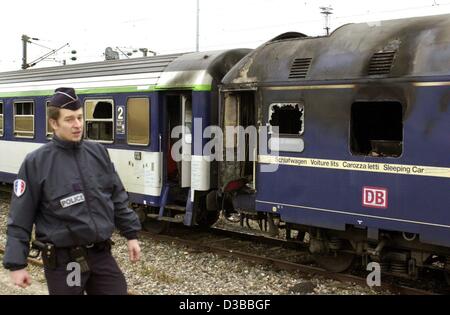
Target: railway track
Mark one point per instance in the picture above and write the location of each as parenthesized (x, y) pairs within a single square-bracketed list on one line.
[(213, 246), (282, 255), (202, 241)]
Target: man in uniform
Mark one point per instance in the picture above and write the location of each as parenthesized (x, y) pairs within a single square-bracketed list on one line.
[(70, 191)]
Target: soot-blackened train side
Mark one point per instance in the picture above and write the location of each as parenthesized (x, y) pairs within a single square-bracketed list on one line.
[(363, 145)]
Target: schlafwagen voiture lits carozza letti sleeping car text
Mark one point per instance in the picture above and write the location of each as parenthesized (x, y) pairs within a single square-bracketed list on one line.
[(357, 160)]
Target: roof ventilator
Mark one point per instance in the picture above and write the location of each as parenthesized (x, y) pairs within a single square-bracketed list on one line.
[(381, 62), (300, 68)]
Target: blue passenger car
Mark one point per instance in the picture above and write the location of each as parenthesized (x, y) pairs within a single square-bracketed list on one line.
[(130, 106)]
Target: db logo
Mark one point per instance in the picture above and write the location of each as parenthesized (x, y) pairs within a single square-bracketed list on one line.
[(375, 197)]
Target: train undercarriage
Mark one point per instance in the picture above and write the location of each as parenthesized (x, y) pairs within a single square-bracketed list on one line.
[(398, 254)]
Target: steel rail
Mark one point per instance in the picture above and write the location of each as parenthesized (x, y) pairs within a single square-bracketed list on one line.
[(310, 271)]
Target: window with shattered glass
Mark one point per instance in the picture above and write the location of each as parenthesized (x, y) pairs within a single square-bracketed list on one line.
[(288, 118), (99, 120)]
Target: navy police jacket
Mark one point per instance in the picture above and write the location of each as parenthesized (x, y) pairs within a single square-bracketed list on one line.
[(73, 195)]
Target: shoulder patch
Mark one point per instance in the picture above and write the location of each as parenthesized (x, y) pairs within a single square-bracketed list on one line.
[(19, 187)]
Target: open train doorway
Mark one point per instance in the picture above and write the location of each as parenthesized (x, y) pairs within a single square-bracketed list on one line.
[(239, 112), (179, 114)]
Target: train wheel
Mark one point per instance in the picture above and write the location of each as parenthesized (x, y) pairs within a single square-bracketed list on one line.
[(207, 218), (141, 213), (335, 262), (155, 226), (151, 225)]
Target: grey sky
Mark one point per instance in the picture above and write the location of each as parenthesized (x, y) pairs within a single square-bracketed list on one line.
[(169, 26)]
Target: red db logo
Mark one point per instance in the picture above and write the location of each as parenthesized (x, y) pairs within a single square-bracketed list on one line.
[(375, 197)]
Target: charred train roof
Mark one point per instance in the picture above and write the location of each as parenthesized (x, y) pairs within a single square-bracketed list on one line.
[(406, 47), (201, 69)]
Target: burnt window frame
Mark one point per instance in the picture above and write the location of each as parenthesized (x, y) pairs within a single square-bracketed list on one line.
[(33, 115), (225, 121), (274, 134), (112, 119), (350, 128)]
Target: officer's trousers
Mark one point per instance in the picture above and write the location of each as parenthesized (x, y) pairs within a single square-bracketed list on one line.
[(104, 275)]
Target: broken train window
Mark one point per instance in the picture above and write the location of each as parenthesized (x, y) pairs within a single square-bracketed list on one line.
[(288, 117), (99, 120), (376, 129)]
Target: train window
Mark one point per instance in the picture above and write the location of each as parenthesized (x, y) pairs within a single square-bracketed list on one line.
[(376, 129), (288, 117), (24, 119), (1, 119), (99, 120), (138, 121)]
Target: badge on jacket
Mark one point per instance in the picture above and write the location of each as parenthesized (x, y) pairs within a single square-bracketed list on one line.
[(19, 187), (72, 200)]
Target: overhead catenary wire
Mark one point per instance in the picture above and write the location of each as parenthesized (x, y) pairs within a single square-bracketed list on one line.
[(318, 20), (434, 5), (343, 17)]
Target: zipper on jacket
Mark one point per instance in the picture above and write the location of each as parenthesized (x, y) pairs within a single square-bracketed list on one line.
[(83, 183)]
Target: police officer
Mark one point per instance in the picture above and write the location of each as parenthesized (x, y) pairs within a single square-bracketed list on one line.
[(70, 191)]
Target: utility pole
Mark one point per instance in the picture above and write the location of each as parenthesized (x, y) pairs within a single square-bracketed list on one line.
[(326, 11), (25, 41), (197, 46)]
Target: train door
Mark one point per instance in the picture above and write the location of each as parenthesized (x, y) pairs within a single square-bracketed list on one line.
[(179, 114), (240, 152), (186, 114)]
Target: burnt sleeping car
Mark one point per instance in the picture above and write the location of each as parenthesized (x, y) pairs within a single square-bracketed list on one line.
[(362, 149)]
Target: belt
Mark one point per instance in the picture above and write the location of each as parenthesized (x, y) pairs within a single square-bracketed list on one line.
[(99, 245), (54, 256)]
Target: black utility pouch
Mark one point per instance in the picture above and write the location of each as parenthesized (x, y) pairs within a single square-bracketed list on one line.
[(78, 254), (49, 256)]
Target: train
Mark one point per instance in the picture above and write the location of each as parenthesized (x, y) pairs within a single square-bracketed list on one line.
[(343, 139)]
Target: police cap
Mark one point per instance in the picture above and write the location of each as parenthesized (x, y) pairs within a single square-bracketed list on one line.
[(65, 98)]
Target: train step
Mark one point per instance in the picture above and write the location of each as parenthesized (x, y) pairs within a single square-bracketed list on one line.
[(177, 219), (175, 207)]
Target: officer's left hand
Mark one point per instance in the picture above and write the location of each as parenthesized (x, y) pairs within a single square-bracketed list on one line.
[(134, 251)]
